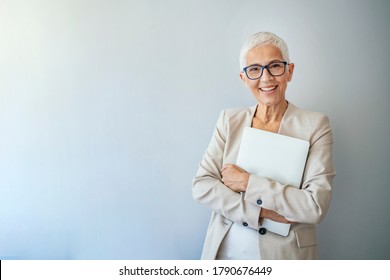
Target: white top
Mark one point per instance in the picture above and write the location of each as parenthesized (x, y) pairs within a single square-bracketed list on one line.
[(240, 243)]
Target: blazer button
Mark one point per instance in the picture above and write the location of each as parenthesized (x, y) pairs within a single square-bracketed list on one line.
[(245, 224), (259, 201), (262, 231)]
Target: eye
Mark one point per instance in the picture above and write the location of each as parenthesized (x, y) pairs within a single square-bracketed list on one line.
[(254, 69), (276, 65)]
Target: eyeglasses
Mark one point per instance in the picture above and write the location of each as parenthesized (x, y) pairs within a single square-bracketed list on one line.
[(255, 71)]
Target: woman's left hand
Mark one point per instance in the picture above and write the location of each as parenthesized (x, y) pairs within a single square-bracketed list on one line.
[(234, 177)]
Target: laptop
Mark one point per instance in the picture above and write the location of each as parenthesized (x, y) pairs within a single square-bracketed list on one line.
[(276, 157)]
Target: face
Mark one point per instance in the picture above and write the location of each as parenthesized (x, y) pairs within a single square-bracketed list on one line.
[(268, 90)]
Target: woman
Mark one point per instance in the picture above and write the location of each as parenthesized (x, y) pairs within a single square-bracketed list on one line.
[(240, 201)]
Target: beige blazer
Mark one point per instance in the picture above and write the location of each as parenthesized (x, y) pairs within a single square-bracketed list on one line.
[(307, 206)]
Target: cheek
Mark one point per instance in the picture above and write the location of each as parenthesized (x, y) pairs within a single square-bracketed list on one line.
[(283, 82), (254, 84)]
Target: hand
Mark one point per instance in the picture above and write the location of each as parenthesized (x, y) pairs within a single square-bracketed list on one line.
[(272, 215), (234, 177)]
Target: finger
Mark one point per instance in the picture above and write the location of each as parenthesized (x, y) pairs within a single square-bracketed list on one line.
[(228, 166), (223, 168)]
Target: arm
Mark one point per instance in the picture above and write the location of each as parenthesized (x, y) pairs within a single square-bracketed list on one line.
[(237, 179), (208, 188), (309, 204)]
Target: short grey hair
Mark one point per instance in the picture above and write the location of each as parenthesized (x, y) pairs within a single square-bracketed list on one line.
[(261, 39)]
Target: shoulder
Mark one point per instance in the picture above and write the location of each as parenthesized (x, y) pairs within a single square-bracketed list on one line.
[(238, 111), (306, 117), (305, 124), (304, 113), (232, 120), (241, 113)]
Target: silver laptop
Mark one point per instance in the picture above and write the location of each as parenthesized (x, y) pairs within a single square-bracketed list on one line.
[(276, 157)]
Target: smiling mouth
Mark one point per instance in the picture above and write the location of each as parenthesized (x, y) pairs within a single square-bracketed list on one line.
[(268, 89)]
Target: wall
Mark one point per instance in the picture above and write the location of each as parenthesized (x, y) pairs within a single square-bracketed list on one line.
[(106, 108)]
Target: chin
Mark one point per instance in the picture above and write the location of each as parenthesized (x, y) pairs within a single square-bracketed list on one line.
[(270, 101)]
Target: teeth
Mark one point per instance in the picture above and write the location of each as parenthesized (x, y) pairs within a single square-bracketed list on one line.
[(268, 88)]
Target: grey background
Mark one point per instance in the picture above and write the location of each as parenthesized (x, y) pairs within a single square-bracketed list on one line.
[(106, 108)]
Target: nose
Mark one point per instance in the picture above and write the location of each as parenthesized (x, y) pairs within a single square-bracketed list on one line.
[(266, 76)]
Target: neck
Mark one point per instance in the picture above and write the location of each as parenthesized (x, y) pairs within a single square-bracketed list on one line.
[(269, 114)]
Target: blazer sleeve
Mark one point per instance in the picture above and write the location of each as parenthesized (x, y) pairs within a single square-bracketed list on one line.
[(308, 204), (209, 190)]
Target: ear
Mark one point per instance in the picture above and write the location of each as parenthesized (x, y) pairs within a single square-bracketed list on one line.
[(243, 78), (290, 71)]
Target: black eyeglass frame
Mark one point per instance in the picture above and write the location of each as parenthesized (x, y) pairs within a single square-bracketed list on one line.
[(266, 67)]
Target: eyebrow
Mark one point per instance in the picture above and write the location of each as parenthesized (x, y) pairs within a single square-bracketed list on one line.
[(272, 61)]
